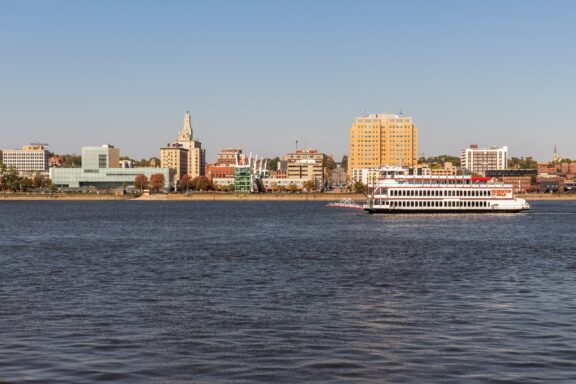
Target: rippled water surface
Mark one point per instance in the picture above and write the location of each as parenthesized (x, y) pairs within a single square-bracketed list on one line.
[(284, 292)]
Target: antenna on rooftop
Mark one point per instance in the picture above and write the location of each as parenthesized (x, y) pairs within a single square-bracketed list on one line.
[(296, 144), (365, 112)]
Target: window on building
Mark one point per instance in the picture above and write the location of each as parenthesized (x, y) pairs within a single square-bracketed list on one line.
[(101, 161)]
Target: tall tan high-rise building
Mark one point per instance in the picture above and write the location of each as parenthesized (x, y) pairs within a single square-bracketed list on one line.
[(379, 140), (185, 155)]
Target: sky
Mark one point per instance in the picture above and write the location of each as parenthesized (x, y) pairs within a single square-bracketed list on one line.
[(261, 75)]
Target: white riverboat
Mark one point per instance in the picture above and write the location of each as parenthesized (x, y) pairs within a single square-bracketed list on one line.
[(397, 192)]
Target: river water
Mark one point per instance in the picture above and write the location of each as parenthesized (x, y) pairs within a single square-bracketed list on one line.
[(176, 292)]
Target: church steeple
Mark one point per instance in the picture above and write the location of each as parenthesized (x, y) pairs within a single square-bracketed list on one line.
[(186, 132), (555, 156)]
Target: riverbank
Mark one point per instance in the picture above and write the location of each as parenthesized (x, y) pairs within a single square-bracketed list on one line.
[(60, 196), (548, 196), (218, 196), (254, 197), (209, 196)]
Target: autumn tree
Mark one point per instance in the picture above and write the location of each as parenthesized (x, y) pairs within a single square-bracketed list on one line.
[(522, 163), (344, 162), (440, 160), (71, 160), (185, 183), (9, 178), (41, 180), (157, 182), (292, 187), (272, 164), (202, 183), (360, 187), (141, 182), (329, 162), (309, 185)]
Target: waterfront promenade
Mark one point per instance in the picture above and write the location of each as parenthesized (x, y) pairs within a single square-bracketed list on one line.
[(218, 196)]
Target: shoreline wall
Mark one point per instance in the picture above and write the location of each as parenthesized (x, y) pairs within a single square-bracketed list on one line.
[(231, 197)]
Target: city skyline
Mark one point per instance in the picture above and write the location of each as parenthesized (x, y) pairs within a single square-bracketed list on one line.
[(77, 74)]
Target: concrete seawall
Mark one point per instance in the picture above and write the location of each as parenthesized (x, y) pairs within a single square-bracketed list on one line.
[(230, 197), (254, 197)]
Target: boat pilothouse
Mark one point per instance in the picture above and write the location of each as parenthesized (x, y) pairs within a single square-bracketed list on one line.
[(397, 192)]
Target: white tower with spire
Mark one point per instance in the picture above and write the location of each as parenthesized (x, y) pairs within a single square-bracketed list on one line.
[(186, 134)]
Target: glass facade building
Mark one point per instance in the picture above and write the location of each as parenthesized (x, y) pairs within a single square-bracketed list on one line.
[(101, 169)]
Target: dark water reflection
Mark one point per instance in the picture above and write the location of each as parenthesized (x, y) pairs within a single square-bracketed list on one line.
[(289, 292)]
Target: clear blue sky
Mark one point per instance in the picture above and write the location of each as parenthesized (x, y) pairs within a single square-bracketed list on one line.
[(262, 74)]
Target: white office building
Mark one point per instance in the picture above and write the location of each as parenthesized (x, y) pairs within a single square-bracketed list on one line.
[(31, 158), (480, 160)]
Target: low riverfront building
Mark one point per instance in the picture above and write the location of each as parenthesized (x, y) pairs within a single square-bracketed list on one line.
[(101, 169)]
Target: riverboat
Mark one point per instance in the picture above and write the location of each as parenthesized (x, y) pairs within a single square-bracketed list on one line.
[(397, 192)]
